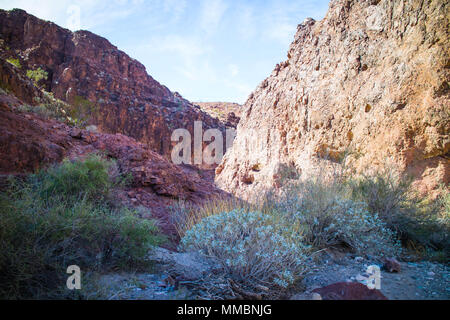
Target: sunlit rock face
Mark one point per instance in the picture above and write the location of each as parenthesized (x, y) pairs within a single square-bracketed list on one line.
[(81, 64), (369, 80)]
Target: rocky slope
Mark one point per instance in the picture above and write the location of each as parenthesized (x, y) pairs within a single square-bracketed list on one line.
[(81, 64), (370, 79), (29, 142), (227, 112)]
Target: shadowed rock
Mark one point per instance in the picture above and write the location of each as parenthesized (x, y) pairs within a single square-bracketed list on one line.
[(348, 291)]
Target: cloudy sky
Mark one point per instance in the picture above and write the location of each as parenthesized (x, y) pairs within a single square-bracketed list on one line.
[(207, 50)]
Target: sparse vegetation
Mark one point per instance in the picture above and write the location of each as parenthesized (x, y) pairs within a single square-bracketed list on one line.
[(254, 251), (326, 218), (37, 75), (51, 108), (370, 215), (14, 62), (185, 216), (420, 223), (81, 110), (62, 216)]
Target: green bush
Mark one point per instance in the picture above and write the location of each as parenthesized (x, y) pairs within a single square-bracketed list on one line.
[(252, 250), (37, 75), (417, 221), (77, 180), (326, 218), (81, 110), (64, 216), (51, 108), (14, 62)]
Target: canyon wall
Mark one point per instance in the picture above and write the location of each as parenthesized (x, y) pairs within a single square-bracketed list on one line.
[(227, 112), (81, 64), (368, 83)]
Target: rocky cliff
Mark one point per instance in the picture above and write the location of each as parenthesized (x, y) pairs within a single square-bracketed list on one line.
[(369, 81), (227, 112), (29, 142), (124, 97)]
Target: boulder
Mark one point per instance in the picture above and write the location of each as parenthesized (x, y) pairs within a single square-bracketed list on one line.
[(347, 291)]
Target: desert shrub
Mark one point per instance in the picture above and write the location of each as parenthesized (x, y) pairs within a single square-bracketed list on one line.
[(40, 110), (14, 62), (384, 192), (37, 75), (252, 250), (75, 180), (325, 218), (184, 215), (48, 111), (81, 110), (64, 216), (415, 219), (48, 107)]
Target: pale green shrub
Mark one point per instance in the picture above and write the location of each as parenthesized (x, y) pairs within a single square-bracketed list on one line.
[(420, 223), (326, 219), (252, 250), (348, 223)]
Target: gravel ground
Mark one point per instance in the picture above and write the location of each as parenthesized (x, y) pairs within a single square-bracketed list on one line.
[(416, 280)]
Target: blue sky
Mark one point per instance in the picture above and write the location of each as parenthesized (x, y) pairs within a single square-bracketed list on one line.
[(207, 50)]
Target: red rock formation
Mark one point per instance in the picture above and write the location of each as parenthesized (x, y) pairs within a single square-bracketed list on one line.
[(349, 291), (128, 100), (28, 142), (370, 80), (227, 112), (392, 265)]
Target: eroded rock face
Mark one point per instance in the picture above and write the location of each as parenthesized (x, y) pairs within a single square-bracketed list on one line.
[(29, 142), (370, 79), (81, 64), (227, 112)]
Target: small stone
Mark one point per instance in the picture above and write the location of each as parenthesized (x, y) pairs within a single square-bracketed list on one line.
[(392, 265), (316, 296), (75, 133), (349, 291)]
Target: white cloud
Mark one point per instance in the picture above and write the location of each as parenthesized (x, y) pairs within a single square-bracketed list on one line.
[(212, 13), (234, 69), (281, 17), (188, 54), (246, 21), (183, 46), (175, 7), (91, 13)]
